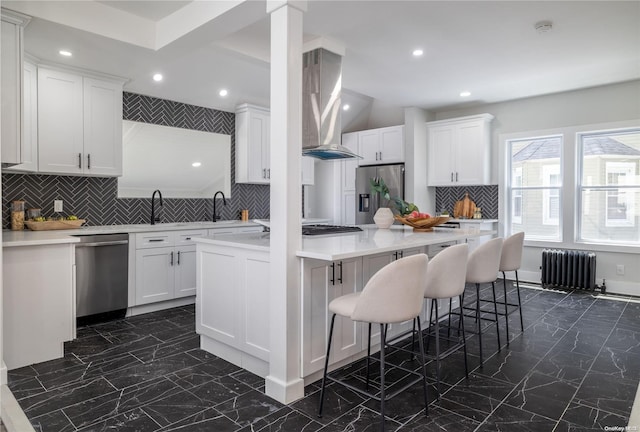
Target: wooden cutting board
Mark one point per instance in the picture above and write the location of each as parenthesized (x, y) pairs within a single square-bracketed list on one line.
[(465, 208)]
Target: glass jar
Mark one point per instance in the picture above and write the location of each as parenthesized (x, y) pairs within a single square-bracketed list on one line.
[(33, 213), (17, 215)]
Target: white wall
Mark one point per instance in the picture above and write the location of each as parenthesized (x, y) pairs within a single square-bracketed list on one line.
[(613, 103)]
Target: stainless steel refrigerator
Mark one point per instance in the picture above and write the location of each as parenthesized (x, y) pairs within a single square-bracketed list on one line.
[(367, 203)]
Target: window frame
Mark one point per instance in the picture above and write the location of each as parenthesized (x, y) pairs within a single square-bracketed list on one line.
[(571, 204)]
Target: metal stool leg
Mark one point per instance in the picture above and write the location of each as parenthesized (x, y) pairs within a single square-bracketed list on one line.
[(464, 342), (413, 340), (478, 323), (383, 338), (506, 308), (368, 354), (449, 318), (437, 348), (326, 366), (495, 309), (424, 369), (519, 302)]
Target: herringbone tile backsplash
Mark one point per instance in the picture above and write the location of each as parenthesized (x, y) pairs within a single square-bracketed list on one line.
[(96, 199), (485, 197)]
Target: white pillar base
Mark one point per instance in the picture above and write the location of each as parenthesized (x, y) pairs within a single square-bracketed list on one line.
[(284, 392)]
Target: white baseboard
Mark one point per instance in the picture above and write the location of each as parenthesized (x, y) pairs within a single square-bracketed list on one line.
[(154, 307), (612, 286), (13, 417)]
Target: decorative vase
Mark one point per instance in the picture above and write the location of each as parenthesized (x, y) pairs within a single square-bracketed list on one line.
[(383, 218)]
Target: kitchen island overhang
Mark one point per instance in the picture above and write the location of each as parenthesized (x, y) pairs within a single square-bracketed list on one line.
[(233, 308)]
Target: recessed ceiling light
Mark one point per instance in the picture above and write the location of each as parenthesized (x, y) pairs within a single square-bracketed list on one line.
[(465, 94), (196, 164), (346, 107), (417, 52), (543, 26), (65, 53), (223, 92), (157, 77)]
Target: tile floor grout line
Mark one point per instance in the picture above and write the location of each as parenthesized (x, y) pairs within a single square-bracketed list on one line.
[(595, 358), (503, 402)]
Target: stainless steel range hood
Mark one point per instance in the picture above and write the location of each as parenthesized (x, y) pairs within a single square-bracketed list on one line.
[(321, 104)]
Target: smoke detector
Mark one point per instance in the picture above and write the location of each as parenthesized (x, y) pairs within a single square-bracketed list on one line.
[(543, 26)]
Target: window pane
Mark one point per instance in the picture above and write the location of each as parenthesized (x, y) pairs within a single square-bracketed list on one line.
[(611, 216), (539, 214), (611, 159), (536, 161)]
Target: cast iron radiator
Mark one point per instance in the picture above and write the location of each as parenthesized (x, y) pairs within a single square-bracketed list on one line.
[(569, 269)]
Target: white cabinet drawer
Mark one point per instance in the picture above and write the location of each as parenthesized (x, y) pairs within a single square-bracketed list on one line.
[(155, 239), (185, 238)]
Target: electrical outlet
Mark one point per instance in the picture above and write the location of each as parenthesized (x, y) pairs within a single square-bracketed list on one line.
[(57, 206), (620, 270)]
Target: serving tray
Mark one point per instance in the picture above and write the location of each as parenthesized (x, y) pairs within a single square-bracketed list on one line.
[(54, 225)]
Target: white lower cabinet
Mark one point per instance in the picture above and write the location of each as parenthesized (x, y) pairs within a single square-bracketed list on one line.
[(321, 283), (234, 307), (165, 266)]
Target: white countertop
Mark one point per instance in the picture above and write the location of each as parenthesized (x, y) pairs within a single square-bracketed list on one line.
[(473, 220), (342, 246), (34, 238)]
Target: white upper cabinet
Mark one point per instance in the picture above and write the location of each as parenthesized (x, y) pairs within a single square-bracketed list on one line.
[(29, 151), (459, 151), (253, 157), (79, 124), (381, 146), (11, 86), (102, 106), (252, 145)]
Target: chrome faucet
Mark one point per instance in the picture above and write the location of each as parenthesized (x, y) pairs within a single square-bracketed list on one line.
[(224, 201), (155, 219)]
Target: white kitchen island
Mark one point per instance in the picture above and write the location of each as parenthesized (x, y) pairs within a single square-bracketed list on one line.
[(232, 301)]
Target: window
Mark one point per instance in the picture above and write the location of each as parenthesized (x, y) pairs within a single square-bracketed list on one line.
[(551, 196), (609, 187), (535, 187), (516, 201)]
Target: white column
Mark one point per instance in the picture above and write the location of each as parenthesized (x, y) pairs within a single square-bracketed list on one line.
[(415, 137), (283, 382)]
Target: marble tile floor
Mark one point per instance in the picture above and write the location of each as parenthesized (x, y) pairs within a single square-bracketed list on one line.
[(576, 367)]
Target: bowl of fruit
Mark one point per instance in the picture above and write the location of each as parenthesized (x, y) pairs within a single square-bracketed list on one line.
[(421, 222), (42, 224)]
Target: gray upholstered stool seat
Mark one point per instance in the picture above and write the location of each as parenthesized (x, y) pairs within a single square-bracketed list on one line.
[(446, 280), (510, 261), (482, 267), (394, 294)]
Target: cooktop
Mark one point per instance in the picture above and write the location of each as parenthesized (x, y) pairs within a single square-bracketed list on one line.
[(313, 230)]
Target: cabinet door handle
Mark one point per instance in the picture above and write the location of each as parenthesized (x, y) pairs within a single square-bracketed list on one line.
[(333, 274), (395, 255), (380, 155), (452, 176), (89, 161), (178, 257), (80, 160), (340, 265), (401, 254), (264, 173), (456, 177), (269, 173), (155, 240), (188, 238), (172, 258)]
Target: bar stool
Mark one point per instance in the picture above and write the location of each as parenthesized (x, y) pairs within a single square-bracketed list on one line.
[(394, 294), (446, 280), (511, 260), (482, 267)]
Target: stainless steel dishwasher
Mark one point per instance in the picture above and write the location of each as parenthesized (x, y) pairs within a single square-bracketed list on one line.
[(102, 267)]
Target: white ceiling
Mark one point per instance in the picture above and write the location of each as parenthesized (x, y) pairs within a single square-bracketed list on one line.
[(488, 48)]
